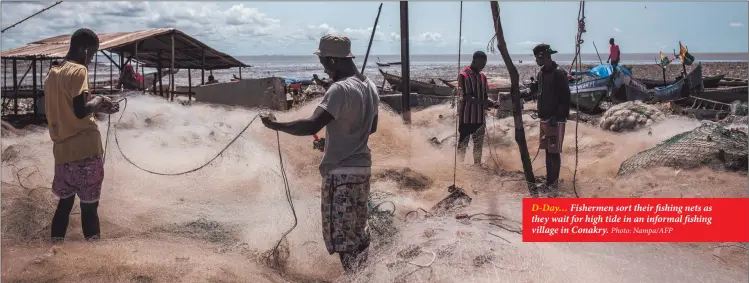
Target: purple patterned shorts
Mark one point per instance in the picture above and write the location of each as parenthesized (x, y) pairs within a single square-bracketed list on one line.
[(81, 177)]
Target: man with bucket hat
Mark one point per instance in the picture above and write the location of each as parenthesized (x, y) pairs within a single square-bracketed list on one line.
[(553, 102), (349, 113)]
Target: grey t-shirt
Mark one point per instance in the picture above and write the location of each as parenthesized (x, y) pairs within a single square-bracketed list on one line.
[(353, 103)]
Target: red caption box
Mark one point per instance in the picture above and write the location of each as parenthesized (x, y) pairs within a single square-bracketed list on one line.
[(636, 220)]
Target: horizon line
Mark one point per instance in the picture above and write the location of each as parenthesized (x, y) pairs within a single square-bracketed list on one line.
[(512, 54)]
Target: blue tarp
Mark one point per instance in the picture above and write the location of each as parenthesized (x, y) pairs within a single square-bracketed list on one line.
[(602, 71), (295, 80)]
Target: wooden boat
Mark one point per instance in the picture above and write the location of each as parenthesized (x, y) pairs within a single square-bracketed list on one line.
[(588, 95), (726, 94), (417, 86), (712, 81), (700, 108), (709, 82), (628, 88), (680, 89), (733, 82), (496, 85), (387, 64), (416, 101)]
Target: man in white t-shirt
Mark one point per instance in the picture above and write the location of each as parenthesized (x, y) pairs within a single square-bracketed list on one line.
[(348, 111)]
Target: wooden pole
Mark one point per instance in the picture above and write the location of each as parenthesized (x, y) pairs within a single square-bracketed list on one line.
[(171, 71), (405, 66), (137, 64), (33, 84), (371, 38), (240, 73), (15, 87), (96, 64), (5, 73), (111, 75), (599, 55), (202, 66), (189, 84), (515, 92), (161, 81)]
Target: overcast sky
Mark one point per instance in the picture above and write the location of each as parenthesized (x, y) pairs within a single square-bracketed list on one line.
[(294, 28)]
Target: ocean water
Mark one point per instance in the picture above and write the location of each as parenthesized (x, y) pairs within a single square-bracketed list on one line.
[(423, 67)]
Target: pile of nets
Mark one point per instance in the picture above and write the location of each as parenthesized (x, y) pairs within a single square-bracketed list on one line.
[(630, 116), (711, 145)]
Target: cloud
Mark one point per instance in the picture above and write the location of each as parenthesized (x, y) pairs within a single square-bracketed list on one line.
[(617, 30), (365, 33), (218, 27), (735, 24), (430, 37), (528, 43)]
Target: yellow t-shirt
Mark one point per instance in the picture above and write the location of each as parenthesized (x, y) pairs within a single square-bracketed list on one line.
[(74, 139)]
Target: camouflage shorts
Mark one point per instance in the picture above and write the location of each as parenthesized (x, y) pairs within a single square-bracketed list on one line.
[(344, 196)]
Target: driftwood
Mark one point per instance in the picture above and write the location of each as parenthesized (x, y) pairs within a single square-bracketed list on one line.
[(515, 92)]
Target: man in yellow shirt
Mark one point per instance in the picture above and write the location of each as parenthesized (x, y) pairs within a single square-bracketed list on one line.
[(77, 148)]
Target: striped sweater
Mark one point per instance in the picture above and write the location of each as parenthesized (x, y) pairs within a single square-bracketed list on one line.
[(475, 85)]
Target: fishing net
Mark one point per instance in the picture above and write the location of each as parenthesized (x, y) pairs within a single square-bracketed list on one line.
[(711, 145), (629, 116)]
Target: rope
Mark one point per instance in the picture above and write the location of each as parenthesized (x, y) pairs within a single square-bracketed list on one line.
[(117, 142), (29, 17), (457, 106), (275, 252), (287, 189), (578, 61)]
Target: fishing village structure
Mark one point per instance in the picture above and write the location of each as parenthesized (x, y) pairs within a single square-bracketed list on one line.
[(165, 49)]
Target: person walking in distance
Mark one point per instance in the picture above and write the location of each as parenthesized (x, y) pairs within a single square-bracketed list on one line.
[(553, 94), (474, 101), (77, 147), (349, 111)]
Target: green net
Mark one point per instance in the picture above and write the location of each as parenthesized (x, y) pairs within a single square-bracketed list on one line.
[(711, 145)]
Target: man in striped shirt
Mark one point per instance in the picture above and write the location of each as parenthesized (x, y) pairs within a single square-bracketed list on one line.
[(474, 101)]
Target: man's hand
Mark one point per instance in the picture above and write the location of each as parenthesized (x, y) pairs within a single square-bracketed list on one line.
[(607, 61), (269, 120), (107, 106)]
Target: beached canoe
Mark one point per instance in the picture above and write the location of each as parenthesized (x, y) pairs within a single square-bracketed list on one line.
[(387, 64), (700, 108), (733, 82), (725, 94), (712, 81), (496, 85), (680, 89), (588, 95), (417, 86), (628, 88)]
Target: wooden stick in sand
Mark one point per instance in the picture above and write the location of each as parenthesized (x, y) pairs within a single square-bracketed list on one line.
[(515, 93)]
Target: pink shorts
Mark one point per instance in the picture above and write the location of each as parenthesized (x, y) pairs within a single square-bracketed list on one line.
[(81, 177)]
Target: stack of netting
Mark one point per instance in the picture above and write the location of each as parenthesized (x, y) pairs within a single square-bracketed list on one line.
[(711, 144)]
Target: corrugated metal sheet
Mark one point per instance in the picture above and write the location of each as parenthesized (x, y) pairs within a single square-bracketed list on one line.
[(154, 49)]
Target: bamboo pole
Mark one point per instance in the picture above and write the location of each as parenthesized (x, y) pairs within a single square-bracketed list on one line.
[(515, 93)]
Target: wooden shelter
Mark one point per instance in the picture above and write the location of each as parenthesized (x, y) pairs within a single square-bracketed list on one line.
[(163, 48)]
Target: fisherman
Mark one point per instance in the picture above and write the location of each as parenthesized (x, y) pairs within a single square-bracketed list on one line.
[(211, 80), (614, 55), (77, 147), (474, 101), (349, 112), (553, 94), (129, 78)]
